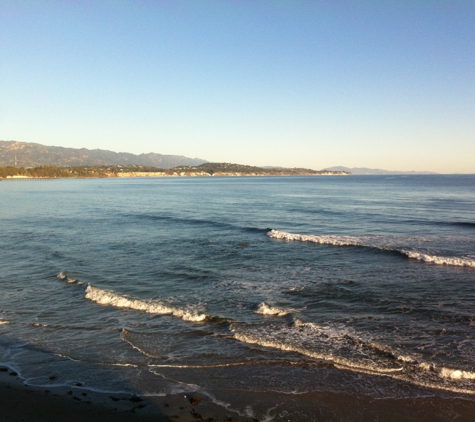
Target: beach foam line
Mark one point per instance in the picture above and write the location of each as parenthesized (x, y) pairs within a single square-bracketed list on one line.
[(109, 298), (295, 339), (335, 240), (368, 357)]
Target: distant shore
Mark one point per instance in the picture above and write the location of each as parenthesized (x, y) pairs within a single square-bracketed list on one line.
[(224, 174), (160, 174), (131, 170)]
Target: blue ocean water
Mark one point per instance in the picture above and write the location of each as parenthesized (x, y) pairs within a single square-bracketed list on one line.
[(290, 284)]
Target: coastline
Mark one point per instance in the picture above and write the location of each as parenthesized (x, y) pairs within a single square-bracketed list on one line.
[(20, 402), (120, 171), (130, 175)]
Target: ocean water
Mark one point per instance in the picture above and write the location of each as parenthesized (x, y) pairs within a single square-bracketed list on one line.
[(237, 287)]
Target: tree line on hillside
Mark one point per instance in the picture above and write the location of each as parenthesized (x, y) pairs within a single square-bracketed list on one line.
[(52, 172), (113, 171), (90, 171)]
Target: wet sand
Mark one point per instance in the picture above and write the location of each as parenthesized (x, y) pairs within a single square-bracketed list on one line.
[(19, 403)]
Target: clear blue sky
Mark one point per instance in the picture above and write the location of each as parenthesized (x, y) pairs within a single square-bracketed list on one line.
[(382, 84)]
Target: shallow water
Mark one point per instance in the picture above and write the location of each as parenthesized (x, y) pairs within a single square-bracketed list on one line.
[(287, 284)]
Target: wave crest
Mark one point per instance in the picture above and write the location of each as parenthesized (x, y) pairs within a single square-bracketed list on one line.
[(440, 260), (349, 350), (109, 298), (265, 309), (335, 240), (64, 276)]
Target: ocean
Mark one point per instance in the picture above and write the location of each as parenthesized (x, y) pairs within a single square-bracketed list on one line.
[(244, 289)]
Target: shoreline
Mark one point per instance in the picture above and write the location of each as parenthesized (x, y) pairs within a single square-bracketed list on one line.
[(156, 176), (20, 402)]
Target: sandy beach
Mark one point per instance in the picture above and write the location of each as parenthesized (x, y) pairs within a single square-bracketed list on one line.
[(19, 402), (22, 403)]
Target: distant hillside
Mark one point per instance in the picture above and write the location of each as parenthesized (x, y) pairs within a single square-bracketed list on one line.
[(228, 169), (203, 170), (364, 170), (26, 154)]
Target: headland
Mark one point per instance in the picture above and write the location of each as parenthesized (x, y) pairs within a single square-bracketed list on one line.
[(203, 170)]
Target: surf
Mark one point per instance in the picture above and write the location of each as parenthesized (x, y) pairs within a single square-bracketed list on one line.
[(335, 240)]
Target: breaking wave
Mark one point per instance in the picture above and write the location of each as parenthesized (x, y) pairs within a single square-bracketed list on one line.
[(331, 344), (105, 297), (440, 260), (265, 309), (64, 276), (359, 241), (160, 307), (346, 349)]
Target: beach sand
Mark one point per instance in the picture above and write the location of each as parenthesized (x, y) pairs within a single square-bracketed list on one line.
[(21, 403)]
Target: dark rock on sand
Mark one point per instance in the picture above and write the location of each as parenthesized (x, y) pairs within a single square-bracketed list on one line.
[(195, 400)]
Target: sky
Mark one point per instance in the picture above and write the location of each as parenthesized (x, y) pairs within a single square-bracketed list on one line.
[(380, 84)]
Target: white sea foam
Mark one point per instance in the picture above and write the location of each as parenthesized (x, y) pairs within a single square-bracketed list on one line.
[(346, 350), (360, 241), (440, 260), (456, 374), (3, 322), (62, 275), (323, 343), (265, 309), (109, 298), (322, 239), (296, 289)]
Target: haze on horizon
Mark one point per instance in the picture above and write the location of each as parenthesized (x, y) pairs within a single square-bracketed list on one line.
[(311, 84)]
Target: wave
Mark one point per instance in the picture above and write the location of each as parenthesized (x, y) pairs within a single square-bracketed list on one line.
[(440, 260), (105, 297), (322, 239), (352, 351), (195, 222), (324, 343), (265, 309), (64, 276), (4, 322), (110, 298), (335, 240), (466, 224), (456, 374)]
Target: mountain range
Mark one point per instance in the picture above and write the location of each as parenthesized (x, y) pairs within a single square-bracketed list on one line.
[(28, 154)]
